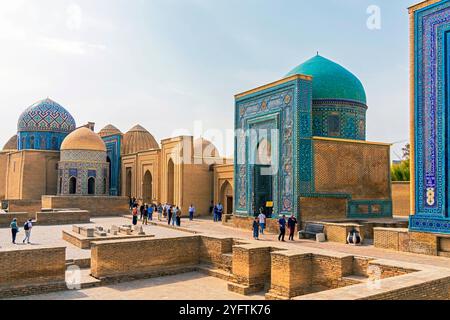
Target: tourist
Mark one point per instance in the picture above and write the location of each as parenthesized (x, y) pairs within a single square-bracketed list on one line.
[(191, 212), (14, 230), (256, 228), (262, 220), (145, 220), (219, 211), (150, 211), (142, 209), (282, 224), (160, 211), (291, 225), (131, 203), (27, 227), (216, 214), (135, 216), (169, 214), (178, 217), (174, 215)]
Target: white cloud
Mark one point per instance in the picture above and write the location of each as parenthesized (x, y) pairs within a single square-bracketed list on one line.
[(68, 46), (74, 17)]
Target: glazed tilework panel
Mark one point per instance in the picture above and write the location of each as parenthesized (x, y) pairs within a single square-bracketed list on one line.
[(431, 114), (357, 169), (113, 145), (40, 140), (84, 155), (46, 115), (83, 165), (290, 103), (352, 119)]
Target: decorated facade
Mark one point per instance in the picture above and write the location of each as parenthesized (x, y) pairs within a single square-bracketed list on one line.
[(430, 80)]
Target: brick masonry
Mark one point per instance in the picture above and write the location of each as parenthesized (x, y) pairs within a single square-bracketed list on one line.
[(32, 270), (98, 206), (401, 203)]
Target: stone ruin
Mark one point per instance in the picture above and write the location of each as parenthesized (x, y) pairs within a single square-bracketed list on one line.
[(115, 230)]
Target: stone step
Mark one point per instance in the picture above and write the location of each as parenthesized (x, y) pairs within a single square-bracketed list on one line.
[(215, 272)]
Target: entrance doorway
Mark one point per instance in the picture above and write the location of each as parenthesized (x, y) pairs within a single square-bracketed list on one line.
[(147, 188), (170, 182), (128, 183)]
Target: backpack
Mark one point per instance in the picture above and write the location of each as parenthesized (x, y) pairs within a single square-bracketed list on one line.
[(26, 227)]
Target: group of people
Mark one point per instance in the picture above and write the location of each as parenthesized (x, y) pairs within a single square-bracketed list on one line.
[(28, 225), (260, 223), (216, 211), (145, 212)]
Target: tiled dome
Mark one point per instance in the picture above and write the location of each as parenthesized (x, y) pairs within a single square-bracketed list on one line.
[(331, 80), (109, 130), (46, 115), (83, 139), (138, 139)]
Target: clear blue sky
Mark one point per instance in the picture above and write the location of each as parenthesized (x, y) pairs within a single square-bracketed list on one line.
[(167, 63)]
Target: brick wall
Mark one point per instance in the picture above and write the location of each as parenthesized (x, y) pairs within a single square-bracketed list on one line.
[(98, 206), (63, 217), (405, 241), (211, 250), (22, 269), (401, 205), (322, 208), (30, 206), (6, 218), (142, 257)]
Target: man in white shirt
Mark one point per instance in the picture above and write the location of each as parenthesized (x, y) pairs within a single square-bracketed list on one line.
[(27, 227), (262, 221)]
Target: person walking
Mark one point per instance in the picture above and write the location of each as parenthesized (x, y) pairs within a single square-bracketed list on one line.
[(256, 228), (174, 216), (160, 212), (219, 211), (135, 216), (191, 212), (14, 230), (141, 210), (150, 211), (169, 214), (292, 222), (178, 217), (27, 227), (282, 224), (145, 218), (211, 208), (262, 221), (216, 214)]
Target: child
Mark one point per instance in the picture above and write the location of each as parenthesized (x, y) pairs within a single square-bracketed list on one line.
[(256, 228)]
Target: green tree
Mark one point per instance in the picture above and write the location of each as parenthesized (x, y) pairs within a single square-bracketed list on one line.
[(401, 171)]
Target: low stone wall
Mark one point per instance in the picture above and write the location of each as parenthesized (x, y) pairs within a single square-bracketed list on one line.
[(401, 205), (213, 251), (406, 241), (31, 271), (98, 206), (338, 232), (63, 217), (22, 217), (29, 206), (86, 243), (124, 258)]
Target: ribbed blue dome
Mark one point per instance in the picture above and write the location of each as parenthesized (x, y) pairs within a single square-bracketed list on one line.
[(46, 115), (331, 80)]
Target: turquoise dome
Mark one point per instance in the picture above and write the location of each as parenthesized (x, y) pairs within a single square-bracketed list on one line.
[(331, 80)]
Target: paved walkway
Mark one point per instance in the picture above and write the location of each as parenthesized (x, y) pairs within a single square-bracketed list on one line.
[(188, 286)]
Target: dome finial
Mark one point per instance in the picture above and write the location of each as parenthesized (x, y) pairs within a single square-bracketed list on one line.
[(317, 52)]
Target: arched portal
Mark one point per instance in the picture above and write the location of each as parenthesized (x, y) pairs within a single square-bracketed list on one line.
[(170, 182), (263, 177), (226, 197), (128, 183), (73, 185), (108, 160), (147, 190), (91, 186)]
